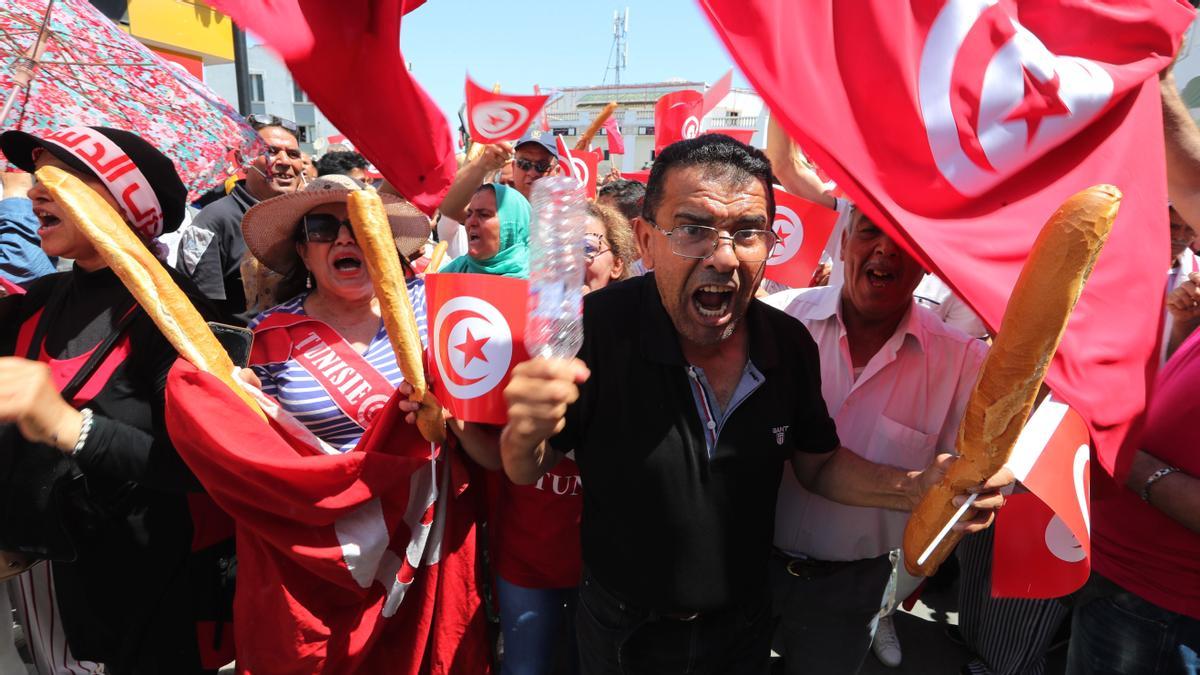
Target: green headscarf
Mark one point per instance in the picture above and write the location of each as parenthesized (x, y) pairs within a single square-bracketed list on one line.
[(512, 260)]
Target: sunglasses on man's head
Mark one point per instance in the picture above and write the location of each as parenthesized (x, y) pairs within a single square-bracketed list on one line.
[(258, 121), (322, 228), (526, 165)]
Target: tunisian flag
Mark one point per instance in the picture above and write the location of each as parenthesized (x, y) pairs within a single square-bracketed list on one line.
[(494, 117), (962, 129), (345, 54), (362, 562), (1047, 529), (802, 228), (677, 115), (582, 165)]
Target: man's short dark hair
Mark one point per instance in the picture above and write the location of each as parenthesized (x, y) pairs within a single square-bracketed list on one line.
[(340, 163), (720, 153), (626, 195)]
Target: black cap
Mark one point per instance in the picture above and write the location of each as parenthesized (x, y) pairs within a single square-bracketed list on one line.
[(18, 146)]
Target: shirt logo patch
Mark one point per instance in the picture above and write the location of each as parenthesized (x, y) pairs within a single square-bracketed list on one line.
[(779, 433)]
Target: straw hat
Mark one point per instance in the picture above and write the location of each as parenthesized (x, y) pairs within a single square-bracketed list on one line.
[(269, 227)]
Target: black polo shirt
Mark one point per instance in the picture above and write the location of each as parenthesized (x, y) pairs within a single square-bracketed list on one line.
[(665, 527)]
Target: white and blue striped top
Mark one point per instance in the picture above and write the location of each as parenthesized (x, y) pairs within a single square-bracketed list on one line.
[(301, 395)]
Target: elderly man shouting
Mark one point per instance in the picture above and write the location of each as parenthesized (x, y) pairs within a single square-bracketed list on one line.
[(688, 399)]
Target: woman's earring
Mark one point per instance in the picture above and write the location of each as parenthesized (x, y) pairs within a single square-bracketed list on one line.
[(308, 281)]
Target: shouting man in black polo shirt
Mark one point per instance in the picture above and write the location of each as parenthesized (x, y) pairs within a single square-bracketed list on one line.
[(688, 397)]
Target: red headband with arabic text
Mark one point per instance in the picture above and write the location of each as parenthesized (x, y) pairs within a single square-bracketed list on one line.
[(124, 180)]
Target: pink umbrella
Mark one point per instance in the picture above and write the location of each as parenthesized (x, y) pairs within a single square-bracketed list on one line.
[(62, 63)]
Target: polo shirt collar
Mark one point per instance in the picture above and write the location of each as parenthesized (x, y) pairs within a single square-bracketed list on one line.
[(660, 341), (242, 196)]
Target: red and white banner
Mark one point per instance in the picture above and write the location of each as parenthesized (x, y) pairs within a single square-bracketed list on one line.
[(1042, 541), (612, 130), (965, 126), (803, 228), (357, 562), (582, 165), (476, 336), (677, 115), (493, 117)]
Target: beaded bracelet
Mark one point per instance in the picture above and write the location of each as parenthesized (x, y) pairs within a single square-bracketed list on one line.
[(1154, 478), (85, 427)]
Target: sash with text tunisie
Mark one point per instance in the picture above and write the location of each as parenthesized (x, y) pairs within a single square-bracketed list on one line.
[(352, 383)]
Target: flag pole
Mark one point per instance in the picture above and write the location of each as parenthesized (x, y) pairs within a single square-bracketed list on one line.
[(24, 67)]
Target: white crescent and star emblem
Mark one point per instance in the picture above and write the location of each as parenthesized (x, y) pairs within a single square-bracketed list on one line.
[(494, 119), (994, 98), (789, 231), (691, 127), (474, 346)]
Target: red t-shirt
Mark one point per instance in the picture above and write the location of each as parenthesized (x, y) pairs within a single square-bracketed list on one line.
[(1133, 543), (536, 529)]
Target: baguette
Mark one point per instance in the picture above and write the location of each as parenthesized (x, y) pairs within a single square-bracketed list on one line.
[(1034, 322), (435, 260), (145, 277), (374, 237), (585, 141)]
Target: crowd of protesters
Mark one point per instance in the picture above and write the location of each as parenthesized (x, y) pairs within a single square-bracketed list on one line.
[(722, 475)]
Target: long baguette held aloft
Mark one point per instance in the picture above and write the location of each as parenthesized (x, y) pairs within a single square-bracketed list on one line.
[(585, 141), (1034, 322), (374, 236), (144, 276)]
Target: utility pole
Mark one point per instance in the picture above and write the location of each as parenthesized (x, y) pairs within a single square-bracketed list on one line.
[(241, 70)]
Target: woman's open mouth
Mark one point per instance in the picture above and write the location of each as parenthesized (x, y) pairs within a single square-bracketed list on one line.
[(46, 221), (347, 264)]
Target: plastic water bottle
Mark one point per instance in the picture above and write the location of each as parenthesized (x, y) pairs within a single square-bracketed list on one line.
[(554, 328)]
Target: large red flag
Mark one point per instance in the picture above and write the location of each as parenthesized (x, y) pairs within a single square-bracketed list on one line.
[(494, 117), (677, 115), (362, 562), (346, 56), (803, 228), (962, 129)]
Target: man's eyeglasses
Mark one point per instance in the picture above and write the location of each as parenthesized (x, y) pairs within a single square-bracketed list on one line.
[(258, 121), (322, 228), (593, 247), (700, 241), (526, 165)]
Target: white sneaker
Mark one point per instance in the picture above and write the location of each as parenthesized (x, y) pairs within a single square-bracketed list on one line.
[(887, 644)]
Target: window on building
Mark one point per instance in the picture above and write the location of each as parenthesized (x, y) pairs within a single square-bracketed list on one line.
[(298, 94), (308, 133), (564, 131), (645, 131), (256, 87)]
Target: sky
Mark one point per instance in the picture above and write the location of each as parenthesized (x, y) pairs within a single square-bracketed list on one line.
[(554, 44)]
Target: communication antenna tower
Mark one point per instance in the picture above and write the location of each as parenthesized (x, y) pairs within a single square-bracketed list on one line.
[(618, 56)]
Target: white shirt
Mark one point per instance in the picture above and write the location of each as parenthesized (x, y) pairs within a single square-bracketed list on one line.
[(833, 248), (455, 233), (1185, 264), (902, 410)]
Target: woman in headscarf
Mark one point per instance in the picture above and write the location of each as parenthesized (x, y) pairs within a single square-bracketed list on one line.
[(497, 234), (89, 476)]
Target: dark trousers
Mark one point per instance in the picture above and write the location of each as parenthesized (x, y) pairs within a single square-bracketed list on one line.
[(1116, 632), (827, 612), (616, 638)]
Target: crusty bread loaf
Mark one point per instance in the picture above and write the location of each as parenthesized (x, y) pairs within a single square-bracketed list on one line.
[(585, 140), (144, 276), (435, 260), (1034, 322), (374, 236)]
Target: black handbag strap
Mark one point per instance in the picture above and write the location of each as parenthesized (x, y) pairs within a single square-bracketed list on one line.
[(127, 310)]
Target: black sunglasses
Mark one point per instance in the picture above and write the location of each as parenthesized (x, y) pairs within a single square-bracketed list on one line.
[(257, 121), (322, 228), (525, 165)]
